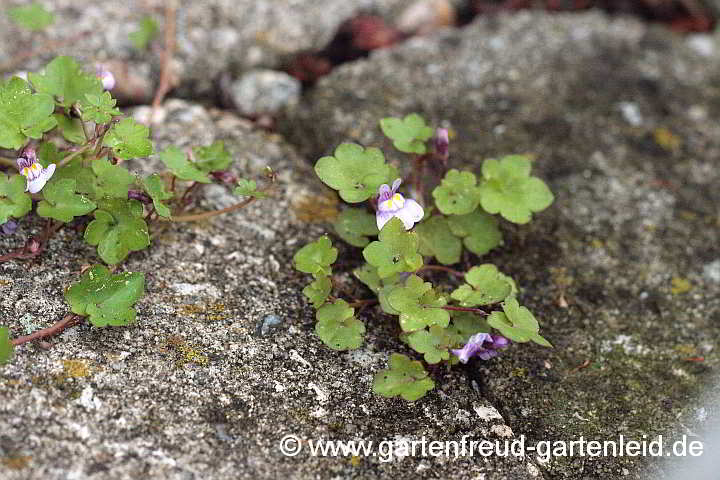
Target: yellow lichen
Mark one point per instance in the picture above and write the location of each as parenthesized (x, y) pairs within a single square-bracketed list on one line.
[(680, 285), (74, 368), (666, 139), (16, 463)]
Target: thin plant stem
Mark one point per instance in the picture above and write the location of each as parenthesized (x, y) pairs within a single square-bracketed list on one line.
[(441, 269), (205, 215), (68, 320), (465, 309)]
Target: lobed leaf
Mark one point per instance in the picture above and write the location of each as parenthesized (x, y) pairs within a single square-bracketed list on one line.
[(434, 343), (14, 201), (395, 251), (418, 304), (66, 81), (517, 323), (33, 17), (457, 194), (354, 171), (248, 188), (437, 240), (354, 225), (142, 37), (405, 378), (180, 165), (62, 203), (23, 114), (98, 108), (106, 298), (212, 158), (318, 291), (129, 139), (479, 231), (155, 187), (118, 229), (508, 189), (316, 258), (486, 286), (338, 328), (408, 134)]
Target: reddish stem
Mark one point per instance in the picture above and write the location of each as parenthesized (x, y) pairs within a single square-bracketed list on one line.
[(466, 309), (441, 269), (68, 321)]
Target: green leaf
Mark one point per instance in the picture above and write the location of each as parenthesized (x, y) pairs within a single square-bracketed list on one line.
[(419, 305), (508, 189), (62, 203), (434, 343), (318, 291), (112, 180), (354, 225), (23, 114), (486, 286), (354, 171), (48, 153), (383, 295), (248, 188), (405, 378), (464, 325), (98, 108), (71, 128), (6, 346), (155, 187), (479, 231), (367, 274), (14, 201), (316, 257), (142, 37), (129, 139), (32, 17), (408, 134), (212, 158), (458, 193), (107, 299), (338, 328), (395, 251), (64, 79), (437, 240), (178, 163), (118, 229), (517, 323)]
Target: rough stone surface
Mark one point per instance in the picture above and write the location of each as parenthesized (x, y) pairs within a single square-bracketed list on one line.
[(223, 361), (213, 36), (620, 117), (265, 92)]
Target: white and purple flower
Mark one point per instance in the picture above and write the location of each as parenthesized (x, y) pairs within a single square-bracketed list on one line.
[(37, 176), (105, 76), (392, 204), (482, 345)]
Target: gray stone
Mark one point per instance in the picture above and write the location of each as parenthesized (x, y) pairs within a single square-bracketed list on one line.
[(265, 92), (213, 36), (636, 207), (190, 391)]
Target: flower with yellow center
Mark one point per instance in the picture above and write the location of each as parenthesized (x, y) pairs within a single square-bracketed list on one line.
[(392, 204)]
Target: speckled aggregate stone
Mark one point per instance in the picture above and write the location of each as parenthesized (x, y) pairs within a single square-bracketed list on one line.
[(622, 119), (193, 390), (213, 36)]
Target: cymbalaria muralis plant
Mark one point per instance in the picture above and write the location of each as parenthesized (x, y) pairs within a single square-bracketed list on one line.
[(472, 313), (63, 148)]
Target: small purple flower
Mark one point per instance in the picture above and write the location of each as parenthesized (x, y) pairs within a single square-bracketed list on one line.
[(392, 204), (105, 76), (30, 168), (225, 177), (476, 346), (442, 142), (9, 227)]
